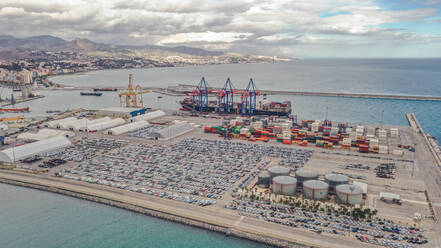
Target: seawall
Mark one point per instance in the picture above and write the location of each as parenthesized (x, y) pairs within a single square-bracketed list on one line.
[(154, 213)]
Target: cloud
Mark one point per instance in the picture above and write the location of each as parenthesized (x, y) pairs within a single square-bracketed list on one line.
[(251, 26)]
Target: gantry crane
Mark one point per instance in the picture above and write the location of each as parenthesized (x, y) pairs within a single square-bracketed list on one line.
[(248, 98), (132, 96), (200, 96), (226, 98)]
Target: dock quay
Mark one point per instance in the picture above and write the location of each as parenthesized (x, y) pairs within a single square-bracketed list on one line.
[(20, 100), (430, 143), (185, 90), (184, 169)]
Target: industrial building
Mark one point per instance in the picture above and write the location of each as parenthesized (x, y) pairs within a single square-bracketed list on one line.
[(83, 124), (129, 127), (172, 131), (13, 154), (54, 123), (105, 125), (315, 189), (349, 194), (44, 134), (284, 185), (148, 116), (122, 112)]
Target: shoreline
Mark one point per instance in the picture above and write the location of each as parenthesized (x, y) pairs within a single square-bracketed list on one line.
[(227, 231), (166, 91)]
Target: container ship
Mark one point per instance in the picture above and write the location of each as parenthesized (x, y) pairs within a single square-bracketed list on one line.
[(262, 108), (91, 93)]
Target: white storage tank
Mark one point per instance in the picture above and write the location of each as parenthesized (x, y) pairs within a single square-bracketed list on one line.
[(276, 171), (284, 185), (349, 194), (315, 189), (303, 175), (264, 179), (335, 179)]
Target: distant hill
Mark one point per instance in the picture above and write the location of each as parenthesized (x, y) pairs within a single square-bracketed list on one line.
[(51, 43)]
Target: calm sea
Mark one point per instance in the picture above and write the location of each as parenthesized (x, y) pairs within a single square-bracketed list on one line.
[(38, 219), (34, 217)]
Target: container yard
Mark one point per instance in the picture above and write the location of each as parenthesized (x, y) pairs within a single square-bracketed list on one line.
[(316, 180)]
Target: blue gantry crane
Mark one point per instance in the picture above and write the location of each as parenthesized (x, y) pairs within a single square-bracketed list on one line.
[(226, 98), (200, 95), (249, 99)]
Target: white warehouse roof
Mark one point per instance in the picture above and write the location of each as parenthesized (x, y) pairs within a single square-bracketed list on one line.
[(80, 125), (148, 116), (133, 126), (54, 123), (105, 124), (32, 149), (119, 110), (172, 131), (44, 134)]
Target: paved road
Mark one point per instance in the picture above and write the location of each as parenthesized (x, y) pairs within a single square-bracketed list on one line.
[(430, 173)]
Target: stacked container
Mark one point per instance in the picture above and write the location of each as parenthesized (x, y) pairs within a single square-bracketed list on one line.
[(373, 145), (382, 135), (383, 149), (394, 132)]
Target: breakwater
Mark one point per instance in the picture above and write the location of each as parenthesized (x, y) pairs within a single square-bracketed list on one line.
[(155, 213)]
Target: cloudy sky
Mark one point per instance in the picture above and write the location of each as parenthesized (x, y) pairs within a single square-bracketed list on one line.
[(295, 28)]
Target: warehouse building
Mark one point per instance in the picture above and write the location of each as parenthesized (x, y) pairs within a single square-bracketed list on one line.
[(44, 134), (130, 127), (105, 125), (13, 154), (121, 112), (172, 131), (54, 123), (148, 116)]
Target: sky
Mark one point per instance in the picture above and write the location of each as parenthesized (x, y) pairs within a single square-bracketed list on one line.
[(292, 28)]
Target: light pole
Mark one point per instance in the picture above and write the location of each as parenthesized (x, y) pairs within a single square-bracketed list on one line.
[(13, 152), (382, 113)]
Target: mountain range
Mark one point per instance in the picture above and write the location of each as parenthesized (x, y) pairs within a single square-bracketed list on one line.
[(10, 45)]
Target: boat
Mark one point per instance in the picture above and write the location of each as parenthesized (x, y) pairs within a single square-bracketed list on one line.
[(91, 93), (105, 89), (14, 110), (262, 108)]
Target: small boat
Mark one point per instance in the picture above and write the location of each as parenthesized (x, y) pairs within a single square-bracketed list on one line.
[(91, 93), (105, 89)]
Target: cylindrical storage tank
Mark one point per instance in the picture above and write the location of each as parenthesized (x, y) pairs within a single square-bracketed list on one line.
[(276, 171), (349, 194), (315, 189), (303, 175), (264, 179), (284, 185), (335, 179)]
